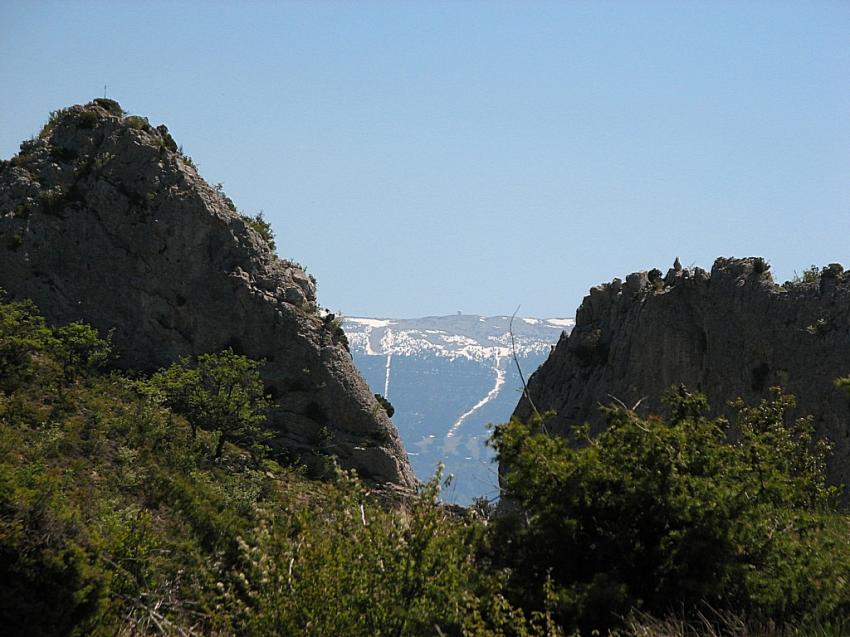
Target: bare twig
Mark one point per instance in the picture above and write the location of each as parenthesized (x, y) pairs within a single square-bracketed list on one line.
[(519, 369)]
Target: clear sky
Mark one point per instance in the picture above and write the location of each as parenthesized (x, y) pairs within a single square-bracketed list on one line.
[(429, 157)]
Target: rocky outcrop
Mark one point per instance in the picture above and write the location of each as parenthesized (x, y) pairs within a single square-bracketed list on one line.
[(103, 219), (729, 333)]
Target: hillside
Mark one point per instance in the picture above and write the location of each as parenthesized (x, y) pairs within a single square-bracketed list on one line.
[(448, 378), (731, 332), (104, 219)]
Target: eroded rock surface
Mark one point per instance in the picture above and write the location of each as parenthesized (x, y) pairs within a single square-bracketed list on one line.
[(104, 220), (728, 333)]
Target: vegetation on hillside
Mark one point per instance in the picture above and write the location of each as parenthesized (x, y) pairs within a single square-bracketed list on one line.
[(147, 506), (668, 517)]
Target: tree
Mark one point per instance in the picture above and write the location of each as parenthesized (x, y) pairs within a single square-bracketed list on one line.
[(23, 332), (667, 516), (79, 349), (220, 392)]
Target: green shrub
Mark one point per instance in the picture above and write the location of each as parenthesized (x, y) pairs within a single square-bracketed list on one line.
[(386, 404), (79, 350), (333, 324), (667, 517), (137, 122), (760, 265), (111, 106), (66, 155), (115, 520), (347, 566), (87, 119), (219, 188), (52, 121), (23, 333), (262, 227), (186, 158)]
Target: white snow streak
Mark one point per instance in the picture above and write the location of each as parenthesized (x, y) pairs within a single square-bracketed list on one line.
[(500, 380), (561, 322), (387, 376), (370, 322)]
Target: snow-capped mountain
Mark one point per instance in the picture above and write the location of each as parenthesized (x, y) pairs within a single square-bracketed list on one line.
[(448, 377)]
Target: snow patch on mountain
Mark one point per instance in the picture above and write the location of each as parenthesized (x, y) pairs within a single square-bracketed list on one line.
[(473, 337)]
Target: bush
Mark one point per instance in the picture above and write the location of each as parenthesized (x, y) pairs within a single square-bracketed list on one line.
[(760, 265), (115, 521), (220, 392), (137, 122), (23, 334), (87, 119), (52, 121), (333, 324), (262, 227), (666, 517), (110, 106), (347, 566), (80, 350), (386, 404)]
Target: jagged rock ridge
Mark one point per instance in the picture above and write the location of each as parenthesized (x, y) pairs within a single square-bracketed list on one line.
[(729, 333), (103, 219)]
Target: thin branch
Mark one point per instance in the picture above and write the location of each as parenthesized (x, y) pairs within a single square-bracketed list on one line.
[(519, 369)]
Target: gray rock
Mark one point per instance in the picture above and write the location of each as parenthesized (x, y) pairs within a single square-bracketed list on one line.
[(101, 220), (733, 333)]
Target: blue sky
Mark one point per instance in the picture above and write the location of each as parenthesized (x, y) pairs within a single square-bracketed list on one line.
[(431, 157)]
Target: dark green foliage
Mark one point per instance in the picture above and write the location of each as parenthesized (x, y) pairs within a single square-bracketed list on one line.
[(111, 106), (23, 335), (87, 119), (66, 155), (809, 275), (392, 574), (333, 324), (760, 265), (137, 122), (386, 404), (119, 517), (261, 226), (165, 139), (668, 517), (79, 349), (52, 120), (186, 158), (219, 188), (116, 520), (220, 392)]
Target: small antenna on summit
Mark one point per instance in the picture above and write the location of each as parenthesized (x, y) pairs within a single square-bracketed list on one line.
[(104, 91)]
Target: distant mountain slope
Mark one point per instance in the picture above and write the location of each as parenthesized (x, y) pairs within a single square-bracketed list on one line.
[(448, 377)]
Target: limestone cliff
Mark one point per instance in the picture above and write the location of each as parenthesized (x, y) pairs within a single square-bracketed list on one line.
[(103, 219), (728, 333)]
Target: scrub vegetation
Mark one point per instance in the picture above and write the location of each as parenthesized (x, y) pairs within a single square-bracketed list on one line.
[(135, 505)]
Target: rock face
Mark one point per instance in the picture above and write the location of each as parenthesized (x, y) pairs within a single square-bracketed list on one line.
[(103, 220), (729, 333)]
